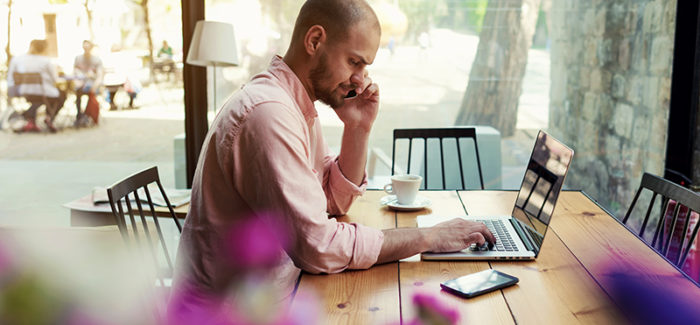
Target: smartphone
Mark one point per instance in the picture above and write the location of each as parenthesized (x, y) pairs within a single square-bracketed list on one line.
[(474, 284)]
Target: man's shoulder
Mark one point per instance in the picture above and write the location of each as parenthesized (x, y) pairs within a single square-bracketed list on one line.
[(266, 88)]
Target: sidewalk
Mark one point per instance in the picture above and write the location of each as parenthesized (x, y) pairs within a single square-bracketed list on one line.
[(42, 171)]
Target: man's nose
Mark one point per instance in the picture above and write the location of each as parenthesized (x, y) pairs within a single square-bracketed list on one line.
[(358, 77)]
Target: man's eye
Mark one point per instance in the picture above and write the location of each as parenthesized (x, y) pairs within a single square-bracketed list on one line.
[(355, 63)]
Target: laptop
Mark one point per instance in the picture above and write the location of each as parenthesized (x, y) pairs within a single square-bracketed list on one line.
[(521, 234)]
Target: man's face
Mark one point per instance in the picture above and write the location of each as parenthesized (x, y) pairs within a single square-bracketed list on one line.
[(341, 65)]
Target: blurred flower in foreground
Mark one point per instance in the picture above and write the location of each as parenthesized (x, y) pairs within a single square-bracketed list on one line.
[(431, 311), (254, 249), (255, 243), (652, 303), (69, 276)]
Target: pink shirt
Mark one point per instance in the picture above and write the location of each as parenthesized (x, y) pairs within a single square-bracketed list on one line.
[(265, 154)]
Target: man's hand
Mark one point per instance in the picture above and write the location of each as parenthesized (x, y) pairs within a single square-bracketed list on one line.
[(361, 110), (457, 234), (449, 236)]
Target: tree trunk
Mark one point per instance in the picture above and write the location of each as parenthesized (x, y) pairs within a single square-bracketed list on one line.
[(147, 21), (9, 35), (89, 18), (495, 80)]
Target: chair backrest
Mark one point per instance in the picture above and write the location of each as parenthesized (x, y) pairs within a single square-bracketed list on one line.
[(122, 196), (27, 78), (429, 158), (673, 197)]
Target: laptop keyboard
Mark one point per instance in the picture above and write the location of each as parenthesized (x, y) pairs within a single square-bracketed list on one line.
[(504, 242)]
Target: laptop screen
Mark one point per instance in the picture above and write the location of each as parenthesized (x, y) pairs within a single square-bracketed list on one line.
[(540, 189)]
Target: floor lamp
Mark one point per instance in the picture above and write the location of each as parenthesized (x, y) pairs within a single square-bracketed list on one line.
[(213, 44)]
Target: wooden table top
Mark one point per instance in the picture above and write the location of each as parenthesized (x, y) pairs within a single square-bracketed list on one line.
[(573, 279)]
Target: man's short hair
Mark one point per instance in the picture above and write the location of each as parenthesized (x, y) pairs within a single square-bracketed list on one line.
[(336, 17)]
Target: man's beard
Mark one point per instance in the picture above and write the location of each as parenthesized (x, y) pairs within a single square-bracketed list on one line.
[(323, 94)]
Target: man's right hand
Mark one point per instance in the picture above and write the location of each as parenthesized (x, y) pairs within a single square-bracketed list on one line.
[(457, 234)]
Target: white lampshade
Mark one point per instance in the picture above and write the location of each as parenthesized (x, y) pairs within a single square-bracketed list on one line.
[(213, 43)]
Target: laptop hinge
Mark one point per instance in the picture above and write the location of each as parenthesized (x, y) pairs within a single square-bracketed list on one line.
[(525, 238)]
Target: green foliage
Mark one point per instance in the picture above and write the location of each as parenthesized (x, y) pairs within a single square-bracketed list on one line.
[(475, 14), (461, 15), (421, 15)]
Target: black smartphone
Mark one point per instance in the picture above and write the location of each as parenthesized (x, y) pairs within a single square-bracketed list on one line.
[(474, 284)]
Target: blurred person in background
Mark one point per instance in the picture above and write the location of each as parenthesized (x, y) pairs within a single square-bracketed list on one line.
[(164, 63), (43, 93), (88, 73), (165, 52), (121, 73)]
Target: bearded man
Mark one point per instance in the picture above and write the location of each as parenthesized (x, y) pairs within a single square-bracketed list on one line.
[(265, 156)]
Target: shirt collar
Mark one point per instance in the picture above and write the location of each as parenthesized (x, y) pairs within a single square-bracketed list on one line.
[(293, 85)]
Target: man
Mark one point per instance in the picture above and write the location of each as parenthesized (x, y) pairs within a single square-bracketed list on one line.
[(265, 156), (89, 71), (40, 93)]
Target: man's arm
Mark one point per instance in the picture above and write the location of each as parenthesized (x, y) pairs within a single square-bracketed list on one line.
[(449, 236)]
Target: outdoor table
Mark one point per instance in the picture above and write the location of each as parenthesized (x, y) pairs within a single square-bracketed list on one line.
[(573, 280), (84, 213)]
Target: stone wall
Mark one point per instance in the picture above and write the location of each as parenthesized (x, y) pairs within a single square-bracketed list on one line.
[(610, 91)]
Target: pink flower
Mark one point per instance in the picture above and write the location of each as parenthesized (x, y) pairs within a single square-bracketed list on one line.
[(432, 311), (255, 243)]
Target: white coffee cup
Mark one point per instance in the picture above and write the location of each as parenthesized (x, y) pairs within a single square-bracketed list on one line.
[(405, 187)]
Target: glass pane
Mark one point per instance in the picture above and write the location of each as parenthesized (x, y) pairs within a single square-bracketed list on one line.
[(138, 93), (512, 66)]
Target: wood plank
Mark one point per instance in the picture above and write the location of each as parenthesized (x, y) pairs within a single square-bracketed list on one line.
[(555, 288), (355, 297), (358, 297), (368, 211), (607, 249), (424, 277)]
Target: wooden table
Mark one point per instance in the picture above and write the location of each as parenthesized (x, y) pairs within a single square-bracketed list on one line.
[(572, 281)]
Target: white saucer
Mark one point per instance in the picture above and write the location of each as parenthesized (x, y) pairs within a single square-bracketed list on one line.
[(419, 203)]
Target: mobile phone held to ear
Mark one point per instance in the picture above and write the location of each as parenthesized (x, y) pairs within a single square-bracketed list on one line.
[(474, 284)]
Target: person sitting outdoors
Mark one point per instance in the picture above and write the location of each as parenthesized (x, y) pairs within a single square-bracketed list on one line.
[(37, 94), (121, 73), (265, 157), (164, 62), (165, 52), (88, 73)]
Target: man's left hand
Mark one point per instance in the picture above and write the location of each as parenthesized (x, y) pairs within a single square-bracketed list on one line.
[(361, 111)]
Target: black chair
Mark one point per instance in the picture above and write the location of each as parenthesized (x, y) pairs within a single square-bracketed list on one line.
[(122, 196), (663, 234), (431, 153)]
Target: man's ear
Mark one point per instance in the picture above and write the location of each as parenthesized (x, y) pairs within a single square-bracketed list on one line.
[(315, 36)]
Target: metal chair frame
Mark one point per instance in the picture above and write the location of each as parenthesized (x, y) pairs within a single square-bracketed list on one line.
[(668, 191), (437, 133)]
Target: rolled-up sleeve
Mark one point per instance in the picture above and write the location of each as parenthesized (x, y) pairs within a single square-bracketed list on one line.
[(274, 174), (340, 191)]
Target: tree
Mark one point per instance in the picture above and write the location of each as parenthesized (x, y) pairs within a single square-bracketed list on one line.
[(495, 80), (147, 23), (7, 47), (88, 11)]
